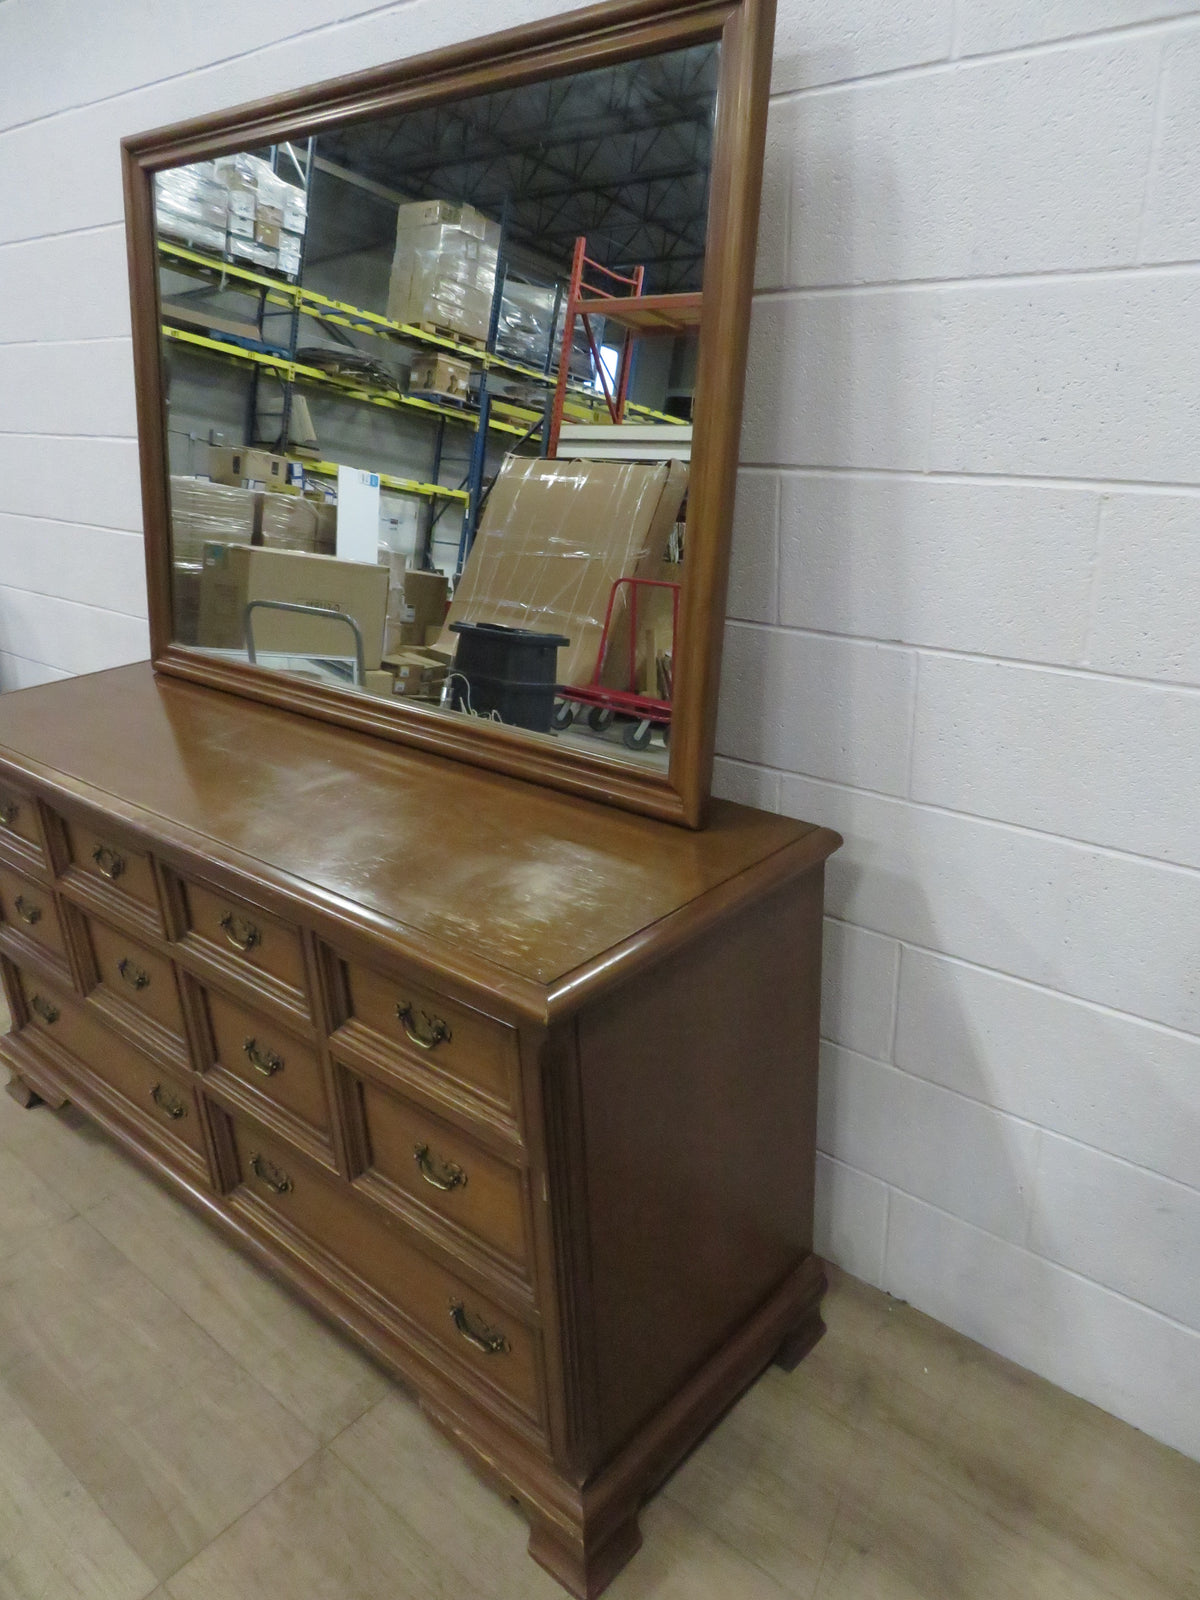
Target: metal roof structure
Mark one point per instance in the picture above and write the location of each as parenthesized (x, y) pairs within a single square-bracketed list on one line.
[(621, 154)]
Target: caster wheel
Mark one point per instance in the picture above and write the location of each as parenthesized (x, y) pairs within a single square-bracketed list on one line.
[(599, 719), (564, 715), (636, 736)]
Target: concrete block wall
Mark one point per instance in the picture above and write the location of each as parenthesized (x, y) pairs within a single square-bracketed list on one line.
[(963, 615)]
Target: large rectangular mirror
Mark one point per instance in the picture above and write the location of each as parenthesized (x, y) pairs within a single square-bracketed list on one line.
[(440, 374)]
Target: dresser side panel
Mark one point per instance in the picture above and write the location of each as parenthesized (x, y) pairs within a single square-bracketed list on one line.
[(698, 1102)]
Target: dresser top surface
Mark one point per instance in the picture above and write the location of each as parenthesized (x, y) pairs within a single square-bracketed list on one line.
[(542, 883)]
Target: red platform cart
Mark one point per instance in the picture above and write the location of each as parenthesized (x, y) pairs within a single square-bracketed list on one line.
[(600, 704)]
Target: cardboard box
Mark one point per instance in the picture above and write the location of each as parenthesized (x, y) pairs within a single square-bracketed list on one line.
[(403, 635), (417, 672), (434, 373), (185, 601), (204, 512), (248, 469), (290, 522), (380, 682), (424, 597), (553, 538), (235, 574)]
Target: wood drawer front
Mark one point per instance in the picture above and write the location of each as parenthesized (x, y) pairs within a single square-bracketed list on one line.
[(444, 1171), (268, 1060), (19, 826), (356, 1234), (157, 1096), (248, 941), (29, 909), (442, 1037), (131, 972), (119, 872)]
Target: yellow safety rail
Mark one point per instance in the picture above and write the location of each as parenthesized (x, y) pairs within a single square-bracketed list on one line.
[(431, 491)]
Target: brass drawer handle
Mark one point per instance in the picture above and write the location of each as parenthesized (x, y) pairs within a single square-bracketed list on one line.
[(264, 1061), (429, 1032), (490, 1340), (240, 931), (109, 864), (27, 911), (441, 1174), (275, 1178), (9, 811), (136, 977), (45, 1009), (168, 1102)]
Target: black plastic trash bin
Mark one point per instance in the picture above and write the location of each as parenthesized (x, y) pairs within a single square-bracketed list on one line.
[(511, 671)]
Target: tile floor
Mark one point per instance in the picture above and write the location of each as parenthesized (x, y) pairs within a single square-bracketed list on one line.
[(173, 1425)]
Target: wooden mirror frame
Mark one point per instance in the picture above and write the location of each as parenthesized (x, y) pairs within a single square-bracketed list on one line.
[(602, 35)]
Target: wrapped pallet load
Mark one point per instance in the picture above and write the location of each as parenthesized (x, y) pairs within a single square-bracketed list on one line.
[(553, 539), (444, 269)]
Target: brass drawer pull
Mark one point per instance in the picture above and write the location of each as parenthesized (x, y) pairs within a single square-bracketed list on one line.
[(109, 864), (441, 1174), (9, 811), (489, 1340), (27, 911), (44, 1008), (136, 977), (427, 1033), (168, 1102), (264, 1061), (275, 1178), (240, 931)]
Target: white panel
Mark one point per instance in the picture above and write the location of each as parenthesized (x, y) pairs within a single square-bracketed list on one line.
[(754, 560), (952, 1152), (95, 566), (68, 388), (834, 708), (822, 41), (1092, 758), (1008, 24), (858, 988), (74, 287), (1147, 598), (72, 637), (1172, 225), (18, 673), (1109, 928), (938, 563), (1125, 1086), (850, 1222), (1127, 1228), (72, 480), (1023, 165), (1091, 377), (1094, 1343), (749, 786), (840, 380)]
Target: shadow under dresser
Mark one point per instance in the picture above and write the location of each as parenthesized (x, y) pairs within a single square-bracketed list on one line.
[(517, 1089)]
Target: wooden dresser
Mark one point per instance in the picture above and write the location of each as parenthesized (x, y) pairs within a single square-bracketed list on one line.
[(517, 1089)]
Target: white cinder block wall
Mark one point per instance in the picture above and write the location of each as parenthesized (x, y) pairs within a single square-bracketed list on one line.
[(965, 616)]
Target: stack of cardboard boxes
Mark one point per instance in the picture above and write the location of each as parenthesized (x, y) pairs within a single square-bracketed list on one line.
[(235, 205), (444, 269)]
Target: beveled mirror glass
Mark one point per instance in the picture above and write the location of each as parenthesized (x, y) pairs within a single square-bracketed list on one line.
[(440, 374)]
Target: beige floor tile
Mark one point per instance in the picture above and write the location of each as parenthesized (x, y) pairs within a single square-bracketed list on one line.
[(173, 1477), (316, 1373), (55, 1542), (769, 1481), (74, 1308), (322, 1535), (70, 1154), (414, 1470), (27, 1205), (911, 1539), (680, 1560)]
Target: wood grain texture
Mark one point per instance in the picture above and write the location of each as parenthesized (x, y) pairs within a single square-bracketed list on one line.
[(599, 36), (602, 1028)]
